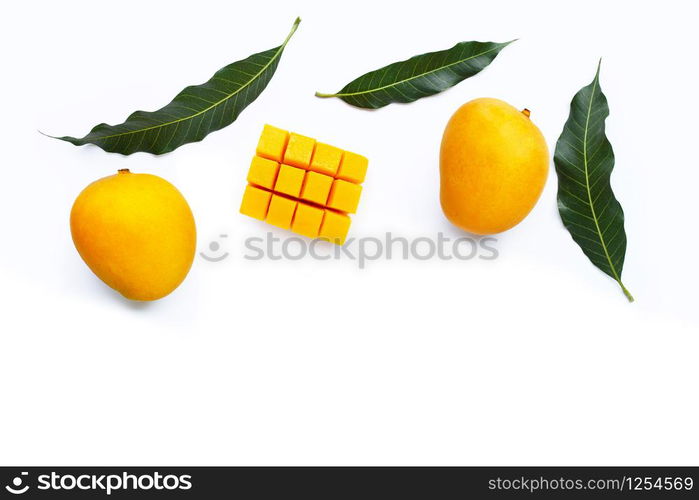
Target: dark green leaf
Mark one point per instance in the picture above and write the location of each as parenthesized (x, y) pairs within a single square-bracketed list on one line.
[(584, 162), (419, 76), (193, 113)]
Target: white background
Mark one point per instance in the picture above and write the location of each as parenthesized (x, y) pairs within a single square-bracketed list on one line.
[(534, 358)]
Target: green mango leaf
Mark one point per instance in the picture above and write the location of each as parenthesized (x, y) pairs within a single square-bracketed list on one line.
[(420, 76), (194, 113), (584, 162)]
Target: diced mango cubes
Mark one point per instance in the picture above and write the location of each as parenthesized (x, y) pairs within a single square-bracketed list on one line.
[(309, 187)]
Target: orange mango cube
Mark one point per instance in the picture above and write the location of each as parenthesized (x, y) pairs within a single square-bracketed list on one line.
[(335, 227), (316, 188), (281, 211), (263, 172), (326, 159), (272, 143), (307, 220), (299, 150), (344, 196), (255, 202), (353, 167), (289, 180)]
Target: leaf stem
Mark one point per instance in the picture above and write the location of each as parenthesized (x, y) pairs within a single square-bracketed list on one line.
[(293, 30), (626, 292), (320, 94)]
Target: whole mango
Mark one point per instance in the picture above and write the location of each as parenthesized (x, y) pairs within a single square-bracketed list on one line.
[(136, 232), (493, 166)]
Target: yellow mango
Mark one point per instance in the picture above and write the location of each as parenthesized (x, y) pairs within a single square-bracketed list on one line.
[(136, 232), (493, 166)]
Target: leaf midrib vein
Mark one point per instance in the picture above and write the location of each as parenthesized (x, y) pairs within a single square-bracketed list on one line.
[(587, 181)]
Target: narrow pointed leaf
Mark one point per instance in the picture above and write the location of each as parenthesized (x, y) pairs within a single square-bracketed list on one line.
[(584, 162), (420, 76), (194, 113)]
